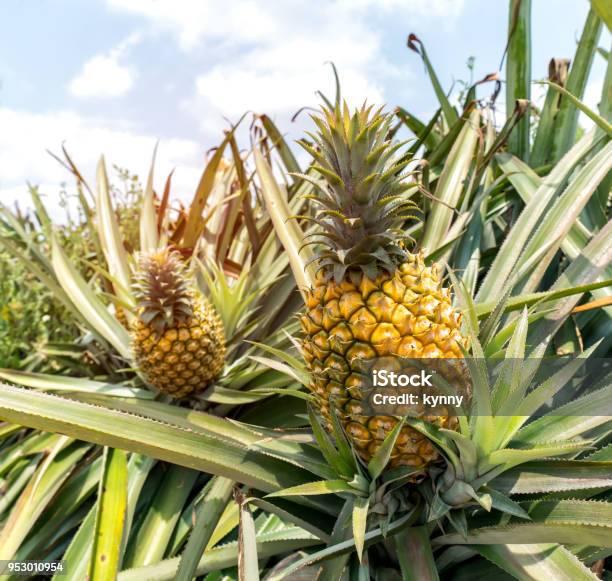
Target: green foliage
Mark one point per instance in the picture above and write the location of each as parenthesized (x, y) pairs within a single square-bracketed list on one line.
[(518, 213), (27, 317), (32, 319)]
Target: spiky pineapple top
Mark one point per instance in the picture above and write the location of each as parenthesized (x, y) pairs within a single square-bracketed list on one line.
[(364, 201), (163, 295)]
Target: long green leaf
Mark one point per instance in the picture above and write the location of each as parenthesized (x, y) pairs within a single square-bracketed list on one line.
[(584, 269), (571, 420), (562, 521), (546, 391), (150, 437), (284, 151), (382, 456), (425, 133), (360, 523), (565, 211), (139, 467), (219, 558), (503, 503), (566, 122), (248, 566), (526, 182), (51, 474), (319, 487), (597, 119), (294, 514), (537, 562), (555, 476), (149, 238), (530, 218), (154, 534), (78, 554), (542, 298), (206, 519), (59, 383), (110, 237), (603, 8), (347, 546), (510, 457), (542, 143), (234, 434), (333, 457), (449, 112), (286, 227), (518, 71), (110, 517), (194, 224), (415, 556), (88, 303), (451, 184)]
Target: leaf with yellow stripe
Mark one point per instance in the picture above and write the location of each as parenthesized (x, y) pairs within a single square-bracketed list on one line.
[(110, 517)]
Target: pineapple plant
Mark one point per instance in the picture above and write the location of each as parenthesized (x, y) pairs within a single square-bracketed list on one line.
[(177, 336), (372, 298), (202, 275), (89, 460)]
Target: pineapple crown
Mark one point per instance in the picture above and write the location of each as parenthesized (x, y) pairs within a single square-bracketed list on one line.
[(365, 196), (162, 290)]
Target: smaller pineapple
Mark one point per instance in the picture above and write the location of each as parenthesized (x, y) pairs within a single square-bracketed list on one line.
[(178, 339)]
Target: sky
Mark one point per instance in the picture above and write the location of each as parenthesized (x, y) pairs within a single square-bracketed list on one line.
[(114, 76)]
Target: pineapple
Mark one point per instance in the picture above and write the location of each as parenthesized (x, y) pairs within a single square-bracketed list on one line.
[(177, 336), (121, 316), (371, 298)]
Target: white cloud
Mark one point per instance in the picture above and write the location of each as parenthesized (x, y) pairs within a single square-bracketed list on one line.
[(26, 136), (270, 56), (281, 81), (104, 75), (192, 20), (255, 20)]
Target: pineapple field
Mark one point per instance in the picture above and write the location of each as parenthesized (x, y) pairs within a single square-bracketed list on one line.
[(186, 388)]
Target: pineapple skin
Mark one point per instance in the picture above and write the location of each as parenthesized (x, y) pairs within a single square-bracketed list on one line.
[(121, 317), (184, 358), (406, 313)]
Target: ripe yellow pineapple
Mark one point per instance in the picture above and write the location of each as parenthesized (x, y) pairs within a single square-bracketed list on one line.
[(177, 337), (371, 297)]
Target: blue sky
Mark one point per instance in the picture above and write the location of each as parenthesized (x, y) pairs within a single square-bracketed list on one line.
[(113, 76)]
